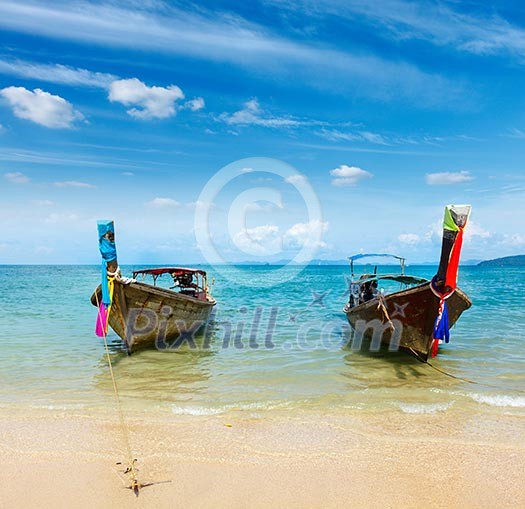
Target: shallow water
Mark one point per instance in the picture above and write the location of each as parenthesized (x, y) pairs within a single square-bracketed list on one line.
[(50, 357)]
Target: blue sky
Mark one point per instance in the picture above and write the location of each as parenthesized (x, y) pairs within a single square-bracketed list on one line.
[(385, 111)]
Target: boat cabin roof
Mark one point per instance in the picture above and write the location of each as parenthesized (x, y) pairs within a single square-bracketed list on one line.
[(401, 278), (376, 255), (175, 271)]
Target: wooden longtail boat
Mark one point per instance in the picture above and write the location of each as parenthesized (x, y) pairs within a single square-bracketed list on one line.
[(144, 314), (416, 316)]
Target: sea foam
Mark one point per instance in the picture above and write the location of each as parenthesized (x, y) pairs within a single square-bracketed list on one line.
[(199, 410), (499, 400), (424, 408), (196, 410)]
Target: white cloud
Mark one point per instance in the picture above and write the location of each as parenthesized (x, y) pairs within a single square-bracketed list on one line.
[(163, 202), (195, 104), (435, 232), (247, 170), (517, 239), (376, 138), (74, 183), (253, 114), (214, 36), (259, 240), (483, 33), (267, 239), (263, 206), (56, 73), (41, 107), (61, 218), (348, 175), (306, 234), (259, 233), (43, 203), (194, 205), (44, 250), (337, 135), (147, 102), (411, 239), (448, 178), (473, 229), (16, 177), (516, 133), (296, 178)]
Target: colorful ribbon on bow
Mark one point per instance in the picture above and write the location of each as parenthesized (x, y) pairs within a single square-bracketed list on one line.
[(441, 326), (108, 250)]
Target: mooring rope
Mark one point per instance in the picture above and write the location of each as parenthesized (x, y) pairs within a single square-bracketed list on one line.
[(381, 304), (131, 470), (474, 382)]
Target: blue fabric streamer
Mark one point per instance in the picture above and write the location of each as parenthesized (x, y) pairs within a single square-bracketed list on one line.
[(441, 328), (107, 248), (108, 251), (106, 299)]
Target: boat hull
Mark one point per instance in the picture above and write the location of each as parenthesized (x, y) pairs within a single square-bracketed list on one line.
[(411, 312), (143, 315)]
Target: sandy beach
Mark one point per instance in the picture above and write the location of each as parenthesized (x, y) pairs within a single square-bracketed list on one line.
[(62, 459)]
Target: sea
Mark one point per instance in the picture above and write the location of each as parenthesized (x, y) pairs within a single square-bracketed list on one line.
[(278, 342)]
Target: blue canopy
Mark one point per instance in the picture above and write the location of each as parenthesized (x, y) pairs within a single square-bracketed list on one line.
[(370, 255)]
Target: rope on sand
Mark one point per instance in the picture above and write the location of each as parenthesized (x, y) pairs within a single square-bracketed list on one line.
[(135, 485)]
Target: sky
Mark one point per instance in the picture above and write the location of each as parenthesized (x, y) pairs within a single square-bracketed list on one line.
[(266, 130)]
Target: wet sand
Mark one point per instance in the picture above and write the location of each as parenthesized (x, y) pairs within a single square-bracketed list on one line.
[(64, 459)]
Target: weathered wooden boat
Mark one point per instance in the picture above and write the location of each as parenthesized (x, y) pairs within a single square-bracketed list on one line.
[(417, 315), (144, 314)]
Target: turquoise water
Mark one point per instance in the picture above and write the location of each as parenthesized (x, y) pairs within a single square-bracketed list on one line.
[(50, 357)]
